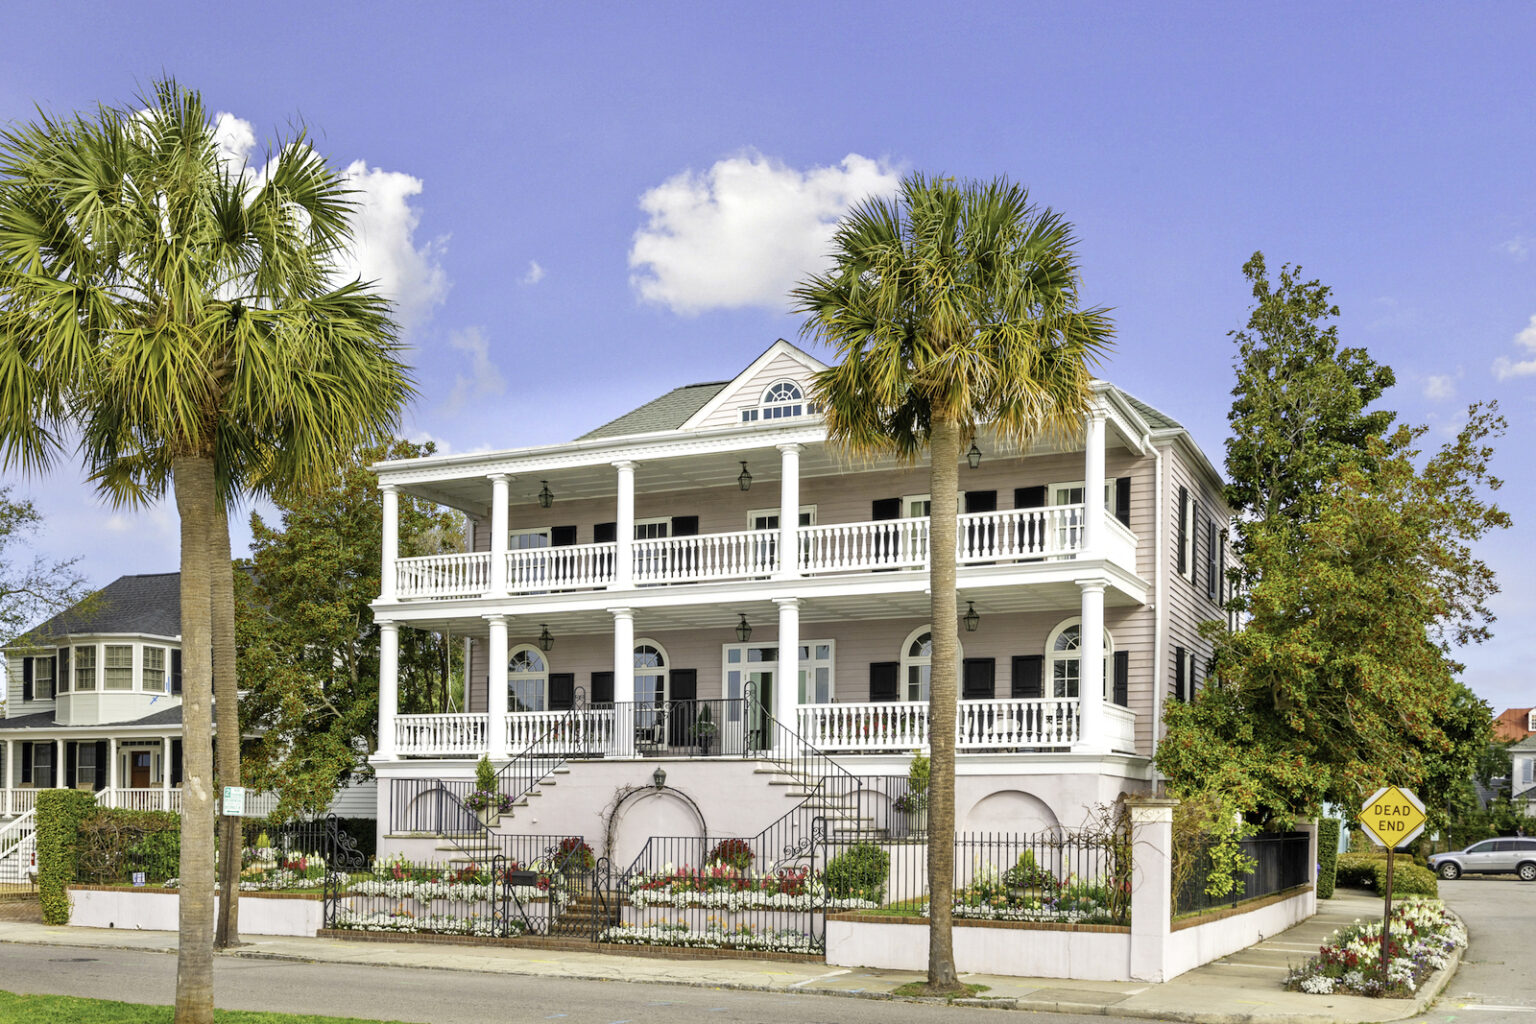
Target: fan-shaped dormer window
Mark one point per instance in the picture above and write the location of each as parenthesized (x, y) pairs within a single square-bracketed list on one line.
[(782, 399)]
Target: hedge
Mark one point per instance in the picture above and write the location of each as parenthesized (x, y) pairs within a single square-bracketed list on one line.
[(59, 813), (115, 843), (1327, 855), (1369, 871)]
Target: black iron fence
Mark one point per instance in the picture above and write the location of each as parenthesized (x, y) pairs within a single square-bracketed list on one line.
[(1280, 860)]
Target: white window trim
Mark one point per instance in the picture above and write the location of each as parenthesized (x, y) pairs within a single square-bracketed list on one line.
[(74, 668), (652, 521), (1109, 491), (542, 677), (529, 531), (665, 670), (754, 513), (908, 499), (759, 413), (165, 668), (1048, 680), (908, 660), (53, 669), (1191, 521), (133, 668), (1530, 720), (805, 684)]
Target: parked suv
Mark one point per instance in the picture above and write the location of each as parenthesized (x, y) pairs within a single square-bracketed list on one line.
[(1491, 856)]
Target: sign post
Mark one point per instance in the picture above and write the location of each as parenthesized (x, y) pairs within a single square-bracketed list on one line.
[(1392, 817)]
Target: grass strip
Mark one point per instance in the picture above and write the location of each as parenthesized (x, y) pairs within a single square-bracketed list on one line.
[(19, 1009)]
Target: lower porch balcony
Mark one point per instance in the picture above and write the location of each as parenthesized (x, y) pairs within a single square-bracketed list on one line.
[(739, 728)]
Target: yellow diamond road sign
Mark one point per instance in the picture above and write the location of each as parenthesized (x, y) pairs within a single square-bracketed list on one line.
[(1392, 817)]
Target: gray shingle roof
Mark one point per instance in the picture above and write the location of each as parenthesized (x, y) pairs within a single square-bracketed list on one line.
[(129, 604), (1155, 419), (668, 412), (45, 720)]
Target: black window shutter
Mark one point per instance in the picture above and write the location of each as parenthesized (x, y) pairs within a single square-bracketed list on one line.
[(1122, 678), (26, 678), (1178, 673), (26, 761), (1211, 580), (176, 670), (605, 533), (885, 508), (101, 765), (980, 679), (562, 691), (981, 501), (1028, 676), (685, 526), (1029, 497), (1123, 500), (1183, 530), (1194, 543), (562, 536), (175, 762), (70, 755), (1221, 568), (602, 687), (885, 680), (684, 683)]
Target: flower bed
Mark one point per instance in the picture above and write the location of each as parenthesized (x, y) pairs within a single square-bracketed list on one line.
[(1423, 938), (711, 936), (405, 922), (1027, 893), (729, 888)]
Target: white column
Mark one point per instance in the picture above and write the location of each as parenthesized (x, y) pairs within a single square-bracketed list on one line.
[(624, 534), (8, 767), (499, 527), (789, 513), (1151, 886), (59, 774), (389, 686), (112, 763), (391, 542), (1091, 669), (623, 654), (496, 688), (1093, 485), (165, 773), (786, 685)]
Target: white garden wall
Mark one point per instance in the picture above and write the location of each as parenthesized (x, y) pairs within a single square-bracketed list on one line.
[(152, 910), (1005, 949)]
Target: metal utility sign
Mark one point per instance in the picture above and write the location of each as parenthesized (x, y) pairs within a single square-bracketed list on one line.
[(1393, 817)]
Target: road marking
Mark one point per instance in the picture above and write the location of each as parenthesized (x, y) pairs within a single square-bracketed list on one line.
[(824, 977), (1252, 967), (1497, 1008)]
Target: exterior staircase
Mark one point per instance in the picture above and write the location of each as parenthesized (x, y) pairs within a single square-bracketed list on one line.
[(479, 845), (806, 791), (18, 844)]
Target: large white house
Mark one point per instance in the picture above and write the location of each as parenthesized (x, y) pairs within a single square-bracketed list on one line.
[(705, 585)]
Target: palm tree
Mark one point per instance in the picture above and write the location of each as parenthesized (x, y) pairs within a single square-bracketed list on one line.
[(178, 316), (950, 306)]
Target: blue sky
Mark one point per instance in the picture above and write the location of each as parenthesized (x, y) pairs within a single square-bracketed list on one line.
[(580, 206)]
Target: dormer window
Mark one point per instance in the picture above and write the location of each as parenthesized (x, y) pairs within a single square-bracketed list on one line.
[(1530, 720), (781, 400)]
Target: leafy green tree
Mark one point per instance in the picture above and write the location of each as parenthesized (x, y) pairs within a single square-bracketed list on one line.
[(178, 315), (952, 305), (308, 644), (31, 589)]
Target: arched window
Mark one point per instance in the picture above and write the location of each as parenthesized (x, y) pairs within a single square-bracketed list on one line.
[(1063, 663), (527, 680), (917, 664), (781, 400), (650, 672)]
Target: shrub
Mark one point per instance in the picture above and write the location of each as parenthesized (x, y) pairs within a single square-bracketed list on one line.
[(733, 853), (574, 855), (115, 843), (59, 812), (1358, 870), (485, 773), (1327, 855), (859, 871), (1408, 879), (1026, 874)]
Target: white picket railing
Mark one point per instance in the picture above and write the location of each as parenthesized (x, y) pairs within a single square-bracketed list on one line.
[(17, 801), (709, 556), (859, 547), (570, 567), (458, 575), (151, 798), (1009, 724), (441, 735)]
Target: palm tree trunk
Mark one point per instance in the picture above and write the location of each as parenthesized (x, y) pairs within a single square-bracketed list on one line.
[(195, 499), (943, 482), (226, 709)]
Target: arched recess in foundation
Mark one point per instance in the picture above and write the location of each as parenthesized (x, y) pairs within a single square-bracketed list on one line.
[(652, 812), (1009, 810)]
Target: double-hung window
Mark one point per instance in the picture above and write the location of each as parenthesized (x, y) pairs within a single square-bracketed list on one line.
[(154, 669), (85, 668), (117, 667)]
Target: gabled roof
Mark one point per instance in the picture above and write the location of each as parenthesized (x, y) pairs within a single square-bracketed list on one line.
[(779, 348), (1155, 419), (129, 604), (1512, 724), (669, 412)]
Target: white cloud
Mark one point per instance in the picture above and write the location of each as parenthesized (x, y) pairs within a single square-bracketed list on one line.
[(535, 273), (484, 379), (1440, 386), (384, 248), (1505, 368), (235, 137), (744, 231), (1517, 248)]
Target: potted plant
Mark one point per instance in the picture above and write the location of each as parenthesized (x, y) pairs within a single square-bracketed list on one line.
[(914, 802), (487, 801), (704, 728)]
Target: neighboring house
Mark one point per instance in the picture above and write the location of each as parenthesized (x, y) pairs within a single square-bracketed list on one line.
[(1514, 724), (709, 557), (1522, 774)]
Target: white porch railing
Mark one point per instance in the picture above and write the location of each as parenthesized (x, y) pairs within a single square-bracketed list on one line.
[(18, 839), (561, 732), (1011, 724), (708, 556), (859, 547), (441, 735), (151, 798), (461, 575), (1019, 533), (570, 567), (1119, 543), (14, 802), (1120, 728)]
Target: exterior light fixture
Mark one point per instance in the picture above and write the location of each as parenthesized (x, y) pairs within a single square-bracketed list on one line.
[(971, 619), (973, 456), (659, 777), (546, 642), (743, 629), (745, 480), (546, 496)]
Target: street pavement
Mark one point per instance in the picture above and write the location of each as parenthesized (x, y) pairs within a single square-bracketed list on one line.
[(1497, 980), (447, 984)]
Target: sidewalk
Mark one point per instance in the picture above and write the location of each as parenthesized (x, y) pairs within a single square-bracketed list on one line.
[(1243, 987)]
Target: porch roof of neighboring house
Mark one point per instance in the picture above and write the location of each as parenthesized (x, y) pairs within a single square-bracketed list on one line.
[(668, 412), (46, 720), (147, 604)]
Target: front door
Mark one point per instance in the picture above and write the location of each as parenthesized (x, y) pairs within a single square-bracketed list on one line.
[(138, 769)]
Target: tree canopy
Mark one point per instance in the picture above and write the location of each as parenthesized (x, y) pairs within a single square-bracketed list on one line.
[(31, 587)]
